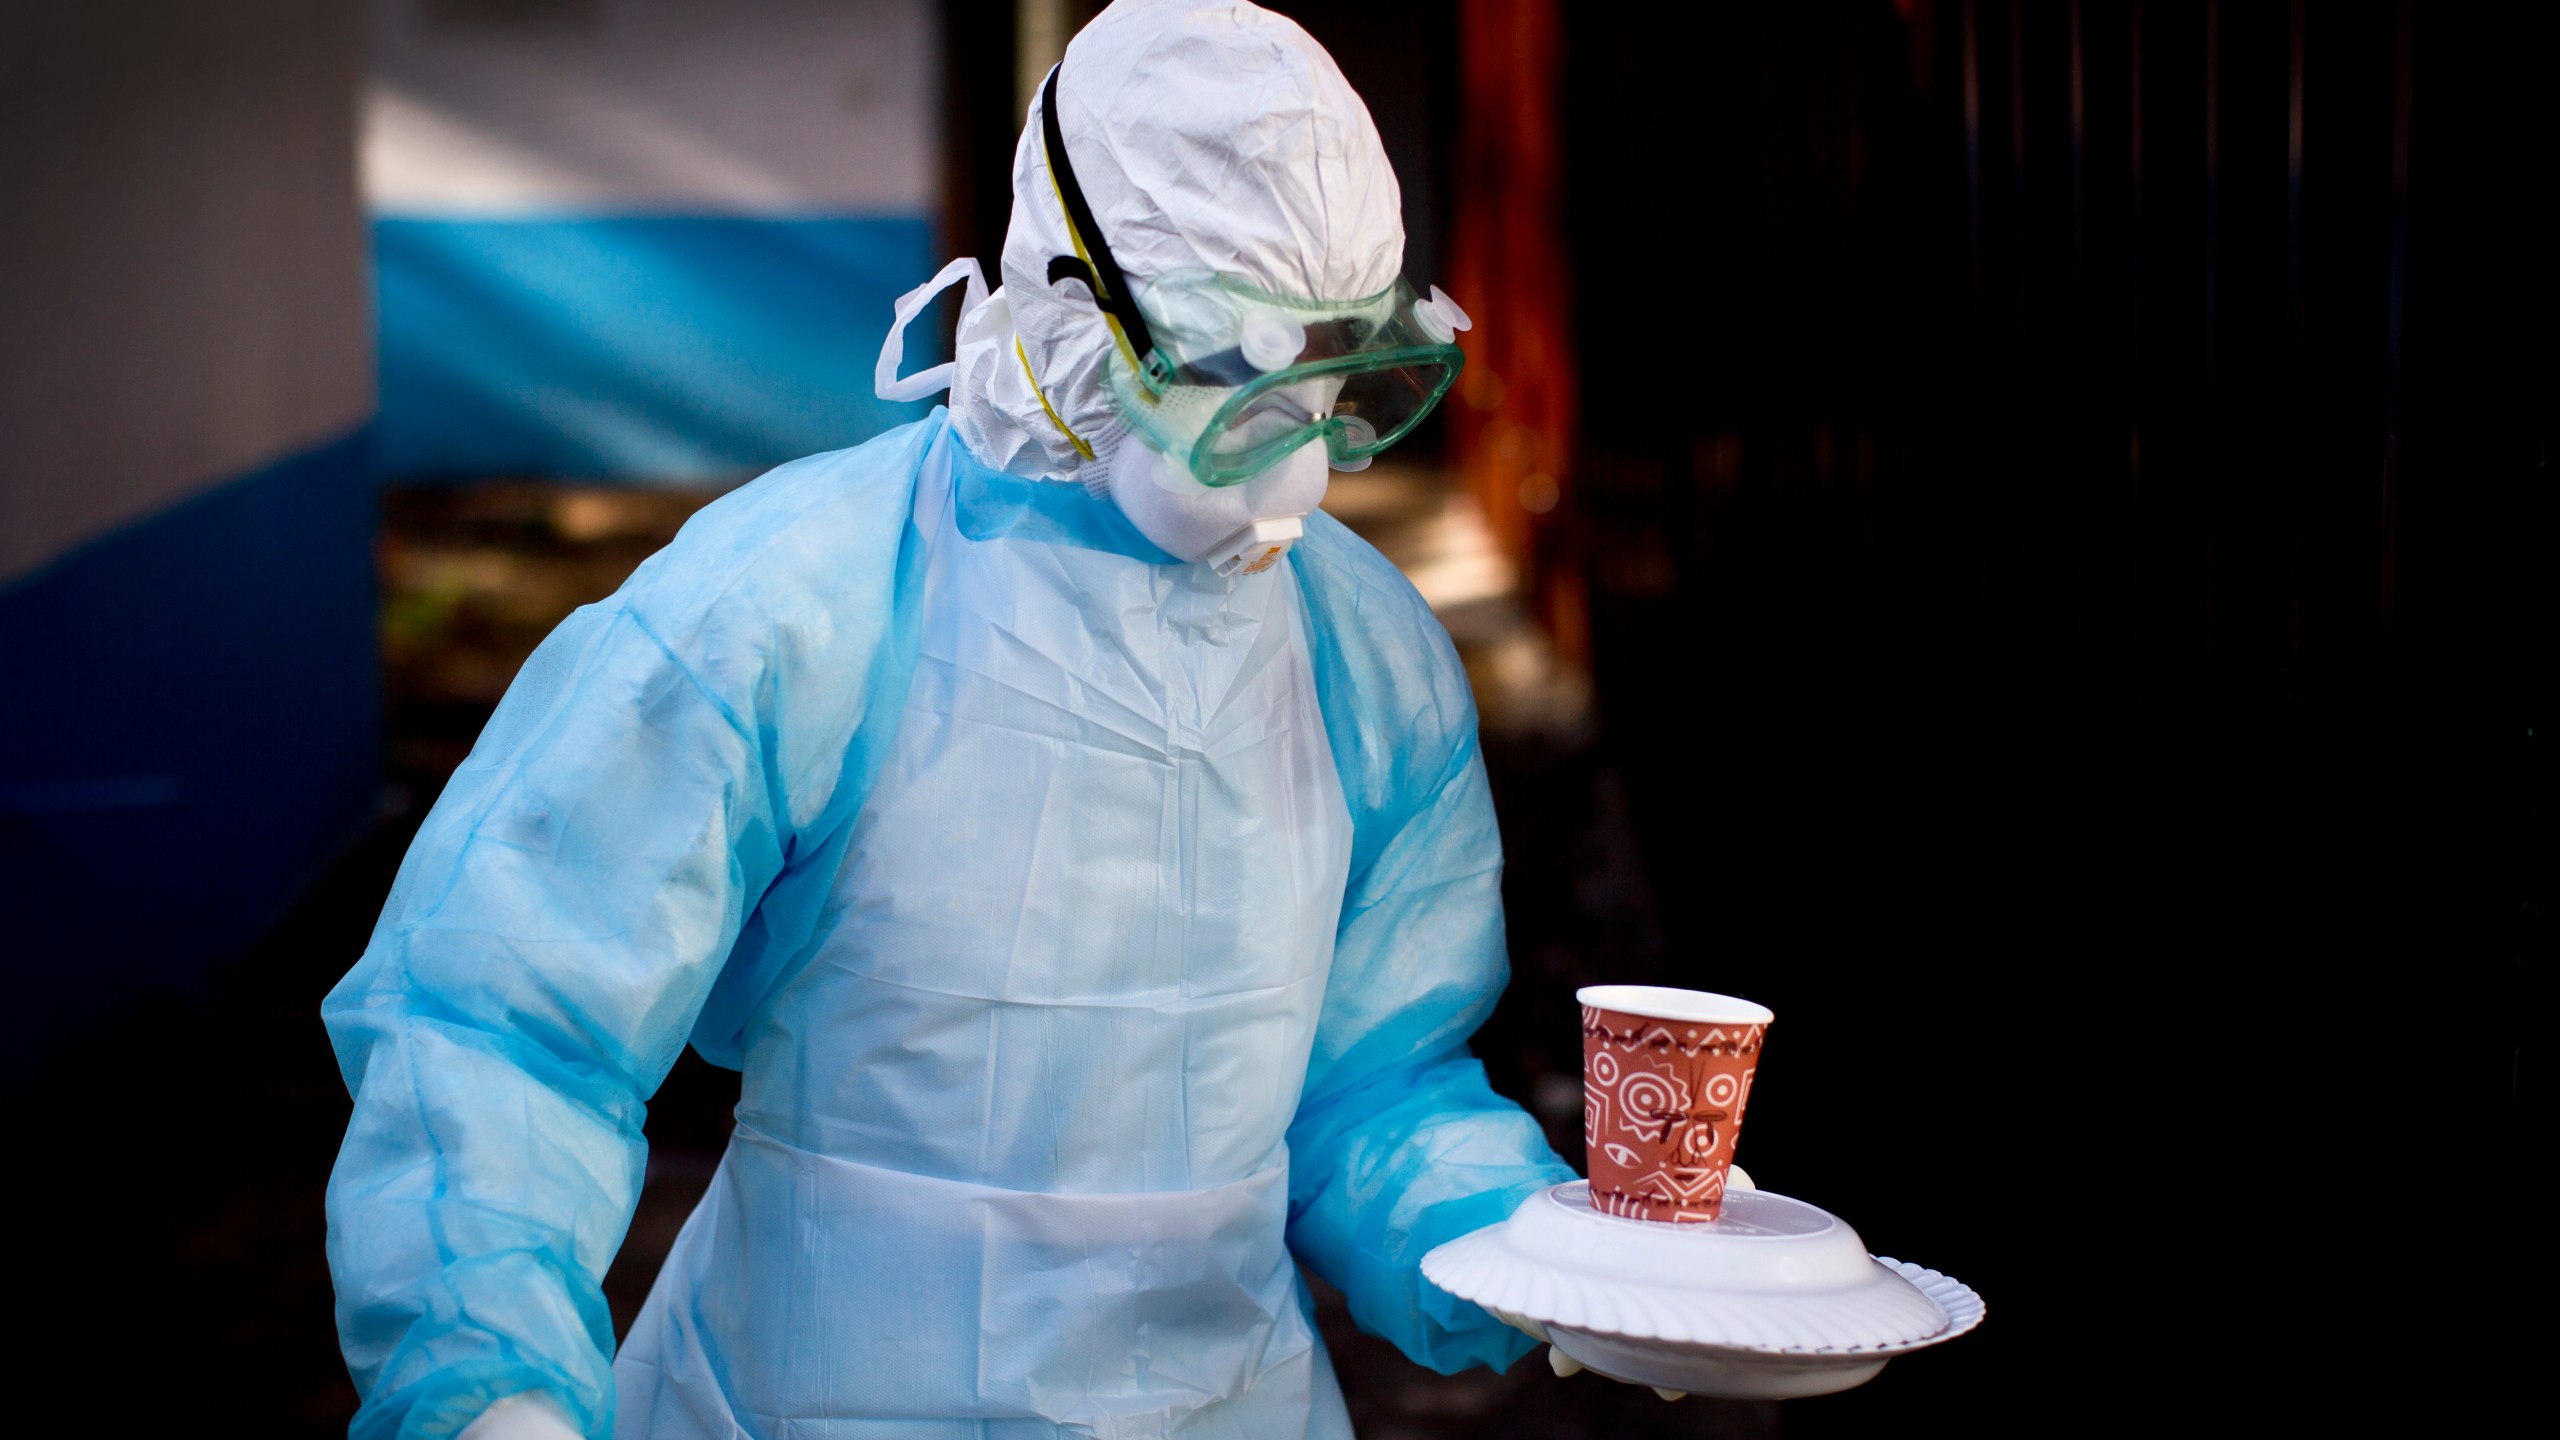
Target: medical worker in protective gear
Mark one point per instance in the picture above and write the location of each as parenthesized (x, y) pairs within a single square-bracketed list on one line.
[(1078, 840)]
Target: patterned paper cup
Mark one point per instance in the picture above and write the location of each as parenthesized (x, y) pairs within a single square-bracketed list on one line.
[(1665, 1077)]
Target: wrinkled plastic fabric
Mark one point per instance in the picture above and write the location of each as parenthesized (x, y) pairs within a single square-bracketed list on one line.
[(1010, 1145), (582, 897), (1044, 1085), (1208, 135), (1400, 1144)]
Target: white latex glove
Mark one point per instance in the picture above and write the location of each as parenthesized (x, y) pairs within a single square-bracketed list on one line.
[(530, 1416), (1735, 1178)]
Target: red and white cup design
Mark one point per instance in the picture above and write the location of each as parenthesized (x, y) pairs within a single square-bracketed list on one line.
[(1666, 1075)]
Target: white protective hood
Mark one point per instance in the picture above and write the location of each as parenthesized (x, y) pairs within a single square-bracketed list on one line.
[(1213, 136)]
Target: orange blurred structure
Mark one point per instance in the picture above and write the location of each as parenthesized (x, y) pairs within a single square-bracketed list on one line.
[(1512, 434)]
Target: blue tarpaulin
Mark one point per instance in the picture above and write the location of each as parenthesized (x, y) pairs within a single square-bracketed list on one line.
[(674, 348)]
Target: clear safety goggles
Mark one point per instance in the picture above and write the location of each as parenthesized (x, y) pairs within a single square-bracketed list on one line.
[(1229, 379), (1239, 378)]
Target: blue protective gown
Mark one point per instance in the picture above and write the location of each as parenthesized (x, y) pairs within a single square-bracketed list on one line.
[(1096, 936)]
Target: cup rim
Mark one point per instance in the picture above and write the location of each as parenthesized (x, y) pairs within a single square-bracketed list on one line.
[(1661, 1002)]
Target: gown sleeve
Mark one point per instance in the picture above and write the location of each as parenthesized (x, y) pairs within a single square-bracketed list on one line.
[(1399, 1143), (558, 925)]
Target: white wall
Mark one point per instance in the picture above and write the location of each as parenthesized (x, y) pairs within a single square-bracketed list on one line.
[(182, 291), (590, 107)]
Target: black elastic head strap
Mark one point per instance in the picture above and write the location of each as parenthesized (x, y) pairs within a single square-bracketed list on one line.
[(1092, 262)]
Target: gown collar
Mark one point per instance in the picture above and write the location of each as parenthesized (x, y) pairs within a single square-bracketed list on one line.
[(992, 505)]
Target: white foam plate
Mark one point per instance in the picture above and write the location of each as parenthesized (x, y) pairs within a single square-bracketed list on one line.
[(1777, 1298)]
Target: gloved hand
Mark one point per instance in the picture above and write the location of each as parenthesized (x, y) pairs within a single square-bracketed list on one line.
[(1736, 1178), (521, 1417)]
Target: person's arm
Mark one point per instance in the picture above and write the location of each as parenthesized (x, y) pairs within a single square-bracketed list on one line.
[(533, 977), (1399, 1143), (577, 892)]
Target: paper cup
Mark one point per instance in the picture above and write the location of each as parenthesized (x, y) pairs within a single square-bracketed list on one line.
[(1665, 1077)]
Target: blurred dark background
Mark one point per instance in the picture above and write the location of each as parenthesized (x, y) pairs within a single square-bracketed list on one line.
[(2016, 535)]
